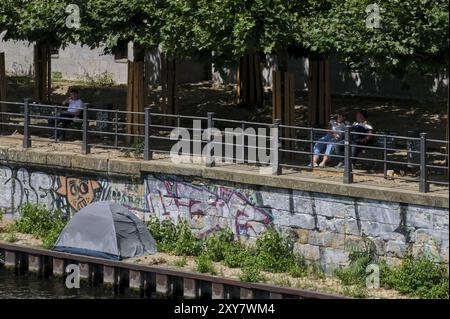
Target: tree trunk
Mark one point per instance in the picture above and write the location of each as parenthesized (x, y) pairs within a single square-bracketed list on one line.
[(136, 92), (3, 85), (249, 80), (169, 80), (42, 72), (319, 94)]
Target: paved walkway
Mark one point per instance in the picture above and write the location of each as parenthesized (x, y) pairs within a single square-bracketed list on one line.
[(331, 175)]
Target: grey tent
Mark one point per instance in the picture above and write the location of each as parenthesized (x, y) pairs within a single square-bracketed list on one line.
[(106, 230)]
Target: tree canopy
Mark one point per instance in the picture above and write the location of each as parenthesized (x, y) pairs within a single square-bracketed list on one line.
[(412, 35)]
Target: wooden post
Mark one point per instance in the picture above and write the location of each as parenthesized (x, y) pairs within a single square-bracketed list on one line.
[(42, 72), (3, 85), (136, 92), (319, 91), (283, 99), (169, 81), (249, 80)]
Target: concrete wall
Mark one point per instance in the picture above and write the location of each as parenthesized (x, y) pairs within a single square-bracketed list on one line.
[(325, 227), (76, 62)]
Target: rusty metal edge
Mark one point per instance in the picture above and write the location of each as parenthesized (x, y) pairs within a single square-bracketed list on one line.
[(171, 272)]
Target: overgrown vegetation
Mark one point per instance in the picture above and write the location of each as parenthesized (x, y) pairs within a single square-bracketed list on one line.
[(40, 222), (205, 264), (104, 79), (272, 251), (416, 276)]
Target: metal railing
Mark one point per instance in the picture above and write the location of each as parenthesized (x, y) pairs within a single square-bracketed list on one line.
[(290, 147)]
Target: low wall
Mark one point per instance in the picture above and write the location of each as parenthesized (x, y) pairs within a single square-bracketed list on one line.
[(325, 227)]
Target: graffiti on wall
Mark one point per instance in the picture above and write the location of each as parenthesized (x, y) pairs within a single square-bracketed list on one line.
[(205, 207), (66, 193)]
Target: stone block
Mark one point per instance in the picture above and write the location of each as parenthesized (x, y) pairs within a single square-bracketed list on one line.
[(327, 239), (124, 167), (276, 198), (58, 267), (379, 212), (246, 293), (303, 221), (162, 284), (34, 263), (136, 280), (302, 235), (395, 248), (310, 252)]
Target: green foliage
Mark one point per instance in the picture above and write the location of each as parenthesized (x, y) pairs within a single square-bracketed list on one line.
[(11, 237), (187, 243), (218, 243), (57, 76), (236, 255), (419, 277), (356, 274), (274, 251), (181, 262), (251, 273), (40, 222), (177, 239), (165, 234), (355, 292), (104, 79), (205, 264)]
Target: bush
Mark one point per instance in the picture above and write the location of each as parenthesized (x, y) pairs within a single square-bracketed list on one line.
[(40, 222), (356, 274), (236, 255), (274, 251), (251, 273), (419, 277), (187, 243), (205, 264), (165, 234), (217, 244)]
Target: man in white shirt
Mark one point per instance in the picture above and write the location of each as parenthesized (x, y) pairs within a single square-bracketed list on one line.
[(75, 109)]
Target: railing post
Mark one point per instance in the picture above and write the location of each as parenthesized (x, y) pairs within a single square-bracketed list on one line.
[(275, 141), (311, 147), (424, 187), (116, 129), (148, 155), (348, 175), (210, 161), (26, 124), (385, 156), (85, 148)]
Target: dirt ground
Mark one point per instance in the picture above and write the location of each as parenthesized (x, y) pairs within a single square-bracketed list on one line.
[(199, 98)]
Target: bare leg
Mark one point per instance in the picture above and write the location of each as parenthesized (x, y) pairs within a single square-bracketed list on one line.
[(324, 160), (315, 159)]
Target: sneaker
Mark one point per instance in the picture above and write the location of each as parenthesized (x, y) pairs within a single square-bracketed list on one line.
[(339, 165), (315, 165), (322, 165)]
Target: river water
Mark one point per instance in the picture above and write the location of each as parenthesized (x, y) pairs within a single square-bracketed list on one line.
[(30, 286)]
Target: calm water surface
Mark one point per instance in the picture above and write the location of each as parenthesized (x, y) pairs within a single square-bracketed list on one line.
[(30, 286)]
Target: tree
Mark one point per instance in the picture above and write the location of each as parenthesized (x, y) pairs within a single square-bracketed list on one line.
[(42, 22)]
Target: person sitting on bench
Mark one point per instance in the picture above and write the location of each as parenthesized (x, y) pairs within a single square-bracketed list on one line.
[(75, 108), (361, 125), (325, 144)]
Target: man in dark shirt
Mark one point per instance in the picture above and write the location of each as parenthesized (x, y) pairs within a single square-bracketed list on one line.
[(362, 126)]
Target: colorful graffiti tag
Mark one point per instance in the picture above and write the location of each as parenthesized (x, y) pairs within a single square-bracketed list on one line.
[(205, 207), (66, 193)]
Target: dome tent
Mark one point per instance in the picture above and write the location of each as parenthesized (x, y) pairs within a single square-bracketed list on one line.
[(106, 230)]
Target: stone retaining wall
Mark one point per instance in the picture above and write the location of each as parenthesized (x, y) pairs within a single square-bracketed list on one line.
[(325, 227)]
